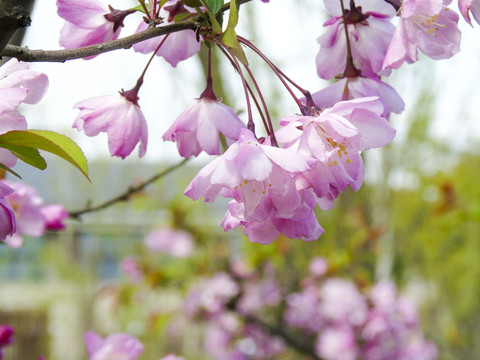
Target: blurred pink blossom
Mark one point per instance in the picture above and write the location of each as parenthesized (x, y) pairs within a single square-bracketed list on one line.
[(6, 337), (117, 346), (176, 243), (54, 215)]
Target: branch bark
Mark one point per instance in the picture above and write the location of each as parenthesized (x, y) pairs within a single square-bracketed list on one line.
[(14, 14)]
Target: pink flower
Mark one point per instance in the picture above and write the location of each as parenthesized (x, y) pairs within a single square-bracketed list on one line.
[(198, 128), (54, 215), (118, 116), (6, 337), (117, 346), (177, 46), (427, 25), (27, 207), (353, 88), (89, 22), (18, 85), (175, 243), (259, 178), (7, 215), (370, 32), (467, 6), (336, 137)]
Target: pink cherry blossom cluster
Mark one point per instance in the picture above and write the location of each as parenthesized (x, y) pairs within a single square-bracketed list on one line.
[(21, 209), (23, 213), (274, 182), (342, 321)]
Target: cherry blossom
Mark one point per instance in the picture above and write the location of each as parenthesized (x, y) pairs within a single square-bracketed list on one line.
[(27, 205), (118, 116), (7, 215), (177, 46), (470, 6), (117, 346), (197, 128), (370, 32), (89, 22), (54, 215), (427, 25)]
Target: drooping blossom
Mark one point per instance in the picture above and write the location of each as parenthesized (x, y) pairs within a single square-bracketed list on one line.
[(259, 178), (7, 216), (55, 214), (177, 46), (117, 346), (27, 205), (198, 127), (18, 85), (176, 243), (117, 115), (470, 6), (336, 137), (358, 87), (6, 337), (370, 32), (426, 25), (89, 22)]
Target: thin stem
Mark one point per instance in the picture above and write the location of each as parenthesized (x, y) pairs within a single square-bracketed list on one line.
[(276, 70), (153, 55), (250, 124), (270, 130), (127, 194), (208, 93), (142, 3), (350, 69)]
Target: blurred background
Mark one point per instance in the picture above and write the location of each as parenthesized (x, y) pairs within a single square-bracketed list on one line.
[(415, 221)]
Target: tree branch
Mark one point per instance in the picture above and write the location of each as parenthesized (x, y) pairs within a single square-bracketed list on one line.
[(127, 194), (25, 54), (14, 14)]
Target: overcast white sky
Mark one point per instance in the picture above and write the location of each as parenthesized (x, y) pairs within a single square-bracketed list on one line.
[(287, 32)]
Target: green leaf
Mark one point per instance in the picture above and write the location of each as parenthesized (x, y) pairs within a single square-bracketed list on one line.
[(233, 15), (6, 168), (27, 154), (214, 5), (229, 38), (49, 141), (192, 3)]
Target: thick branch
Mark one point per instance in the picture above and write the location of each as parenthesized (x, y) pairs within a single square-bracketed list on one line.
[(25, 54), (127, 194), (14, 14)]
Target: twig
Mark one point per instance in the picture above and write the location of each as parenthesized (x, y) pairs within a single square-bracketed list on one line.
[(127, 194)]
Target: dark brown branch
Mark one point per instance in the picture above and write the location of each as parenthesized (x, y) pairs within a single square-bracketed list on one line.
[(14, 14), (127, 194), (25, 54)]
